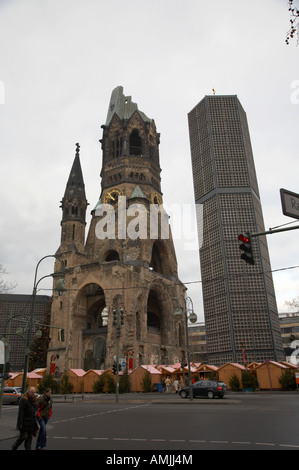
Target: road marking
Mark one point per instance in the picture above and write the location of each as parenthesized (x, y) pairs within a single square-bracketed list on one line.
[(191, 441), (100, 413), (219, 442), (288, 445), (241, 442), (264, 444)]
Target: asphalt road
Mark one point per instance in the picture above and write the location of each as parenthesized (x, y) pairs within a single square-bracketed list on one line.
[(254, 421)]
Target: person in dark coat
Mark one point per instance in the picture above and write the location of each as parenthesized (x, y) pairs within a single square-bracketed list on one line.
[(27, 422), (44, 412)]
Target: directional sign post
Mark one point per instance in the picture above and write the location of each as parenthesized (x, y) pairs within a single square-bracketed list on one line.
[(290, 203)]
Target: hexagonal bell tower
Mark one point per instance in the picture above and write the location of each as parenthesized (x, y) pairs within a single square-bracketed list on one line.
[(130, 262)]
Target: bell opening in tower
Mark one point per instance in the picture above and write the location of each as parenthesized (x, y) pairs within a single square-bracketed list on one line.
[(135, 143)]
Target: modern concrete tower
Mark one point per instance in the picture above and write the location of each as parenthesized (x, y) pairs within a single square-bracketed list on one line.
[(239, 299)]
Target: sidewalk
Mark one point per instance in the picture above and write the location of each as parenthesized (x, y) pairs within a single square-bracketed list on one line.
[(8, 423)]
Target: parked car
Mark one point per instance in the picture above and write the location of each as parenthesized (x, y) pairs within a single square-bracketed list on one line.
[(204, 388), (222, 384), (12, 395)]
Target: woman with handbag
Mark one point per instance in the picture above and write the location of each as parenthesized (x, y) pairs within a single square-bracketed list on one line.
[(44, 412)]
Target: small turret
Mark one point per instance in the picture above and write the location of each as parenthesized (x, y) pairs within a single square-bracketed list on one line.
[(73, 205)]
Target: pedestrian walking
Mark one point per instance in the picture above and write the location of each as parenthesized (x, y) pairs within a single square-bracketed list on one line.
[(176, 385), (27, 420), (44, 413), (167, 383)]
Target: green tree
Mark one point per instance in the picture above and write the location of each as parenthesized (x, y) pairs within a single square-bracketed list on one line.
[(110, 384), (234, 383), (48, 382), (65, 385), (99, 385), (124, 382), (249, 380), (147, 382), (39, 346), (287, 380)]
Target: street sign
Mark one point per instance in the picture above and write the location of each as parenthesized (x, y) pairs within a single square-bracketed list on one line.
[(290, 203)]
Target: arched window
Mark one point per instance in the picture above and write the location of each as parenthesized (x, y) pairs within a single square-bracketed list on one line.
[(160, 259), (112, 255), (153, 321), (116, 146), (154, 312), (135, 143)]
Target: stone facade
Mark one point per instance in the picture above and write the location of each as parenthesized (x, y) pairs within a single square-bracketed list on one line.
[(126, 262)]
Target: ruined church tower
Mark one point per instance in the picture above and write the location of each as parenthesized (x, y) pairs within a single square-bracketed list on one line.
[(127, 262)]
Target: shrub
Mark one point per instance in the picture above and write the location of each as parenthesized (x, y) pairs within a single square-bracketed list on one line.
[(124, 383), (249, 380), (287, 380), (48, 382), (99, 385), (66, 386), (110, 384), (234, 383), (147, 382)]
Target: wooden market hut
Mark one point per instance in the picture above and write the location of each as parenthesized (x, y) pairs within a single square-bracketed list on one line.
[(167, 371), (13, 380), (253, 365), (288, 365), (138, 374), (268, 374), (204, 371), (90, 378), (16, 379), (229, 369), (41, 371), (92, 375), (76, 378)]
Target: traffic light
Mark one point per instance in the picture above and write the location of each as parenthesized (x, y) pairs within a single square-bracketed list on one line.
[(114, 368), (246, 247), (121, 317)]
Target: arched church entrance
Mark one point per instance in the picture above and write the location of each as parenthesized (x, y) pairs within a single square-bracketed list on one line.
[(93, 314)]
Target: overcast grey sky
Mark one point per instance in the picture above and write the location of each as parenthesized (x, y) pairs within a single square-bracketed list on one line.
[(60, 61)]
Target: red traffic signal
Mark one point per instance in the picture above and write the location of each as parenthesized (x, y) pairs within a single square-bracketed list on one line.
[(243, 238), (246, 247)]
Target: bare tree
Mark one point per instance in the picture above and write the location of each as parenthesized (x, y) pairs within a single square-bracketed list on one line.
[(294, 20), (5, 287), (293, 304)]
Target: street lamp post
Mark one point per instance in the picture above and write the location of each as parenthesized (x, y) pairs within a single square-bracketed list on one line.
[(178, 313), (60, 287), (118, 320)]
